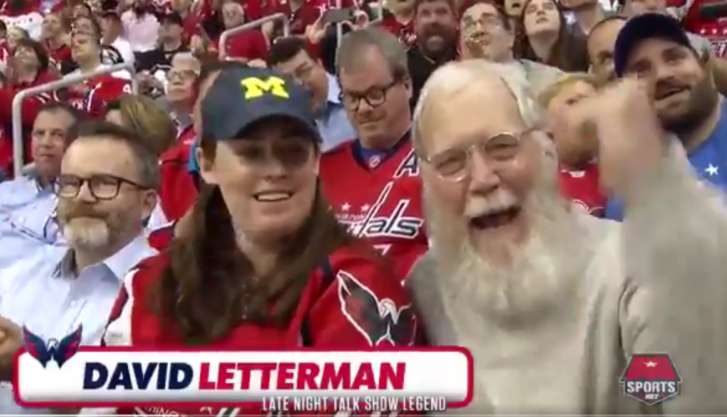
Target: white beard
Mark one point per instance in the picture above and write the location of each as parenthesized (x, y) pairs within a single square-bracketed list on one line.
[(542, 275), (87, 233)]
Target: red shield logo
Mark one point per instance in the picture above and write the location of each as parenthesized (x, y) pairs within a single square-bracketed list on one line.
[(651, 378)]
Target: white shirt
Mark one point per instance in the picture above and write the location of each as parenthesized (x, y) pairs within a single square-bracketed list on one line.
[(142, 33), (124, 48), (43, 294)]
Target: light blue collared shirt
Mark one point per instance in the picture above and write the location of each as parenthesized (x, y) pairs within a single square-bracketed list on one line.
[(332, 120), (27, 219), (45, 294)]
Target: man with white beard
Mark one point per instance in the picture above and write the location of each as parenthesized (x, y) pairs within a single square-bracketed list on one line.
[(106, 191), (550, 301)]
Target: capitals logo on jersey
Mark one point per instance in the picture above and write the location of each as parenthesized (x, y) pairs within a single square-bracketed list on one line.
[(388, 214), (377, 320), (381, 204)]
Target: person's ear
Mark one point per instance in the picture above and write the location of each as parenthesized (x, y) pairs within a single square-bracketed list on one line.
[(148, 204), (206, 167), (317, 162)]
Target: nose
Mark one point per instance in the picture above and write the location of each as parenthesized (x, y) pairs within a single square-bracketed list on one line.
[(662, 72), (363, 106), (274, 168), (84, 193), (483, 175)]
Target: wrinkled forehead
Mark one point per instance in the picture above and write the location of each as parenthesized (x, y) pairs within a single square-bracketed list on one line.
[(81, 158), (188, 62), (478, 11), (604, 36), (455, 118), (654, 50)]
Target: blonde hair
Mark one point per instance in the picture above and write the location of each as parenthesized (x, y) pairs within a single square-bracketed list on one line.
[(146, 118), (550, 92)]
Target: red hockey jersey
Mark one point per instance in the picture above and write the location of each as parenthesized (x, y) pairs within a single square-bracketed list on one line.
[(382, 204), (583, 189), (98, 93), (30, 105), (350, 302), (178, 191)]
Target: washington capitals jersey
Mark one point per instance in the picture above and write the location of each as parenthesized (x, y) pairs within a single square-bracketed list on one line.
[(583, 189), (351, 301), (380, 201), (101, 91)]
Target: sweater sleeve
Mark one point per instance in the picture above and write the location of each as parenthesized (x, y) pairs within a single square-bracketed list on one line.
[(675, 300)]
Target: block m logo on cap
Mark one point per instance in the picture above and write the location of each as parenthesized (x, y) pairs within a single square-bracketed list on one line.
[(256, 87)]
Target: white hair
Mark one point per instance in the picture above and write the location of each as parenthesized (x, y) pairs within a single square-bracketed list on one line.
[(454, 77), (188, 56)]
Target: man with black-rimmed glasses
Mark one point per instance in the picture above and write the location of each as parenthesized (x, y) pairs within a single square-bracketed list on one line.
[(373, 182), (106, 190)]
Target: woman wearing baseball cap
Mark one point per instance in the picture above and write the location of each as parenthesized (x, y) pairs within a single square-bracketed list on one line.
[(262, 266)]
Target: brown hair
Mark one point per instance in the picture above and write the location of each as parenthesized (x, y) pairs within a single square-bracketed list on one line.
[(569, 52), (208, 284), (499, 9), (37, 48), (348, 54), (145, 117), (450, 3)]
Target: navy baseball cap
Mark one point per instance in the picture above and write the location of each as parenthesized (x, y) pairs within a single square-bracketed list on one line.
[(646, 26), (240, 97)]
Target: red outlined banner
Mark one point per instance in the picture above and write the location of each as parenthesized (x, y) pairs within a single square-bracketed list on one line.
[(114, 377)]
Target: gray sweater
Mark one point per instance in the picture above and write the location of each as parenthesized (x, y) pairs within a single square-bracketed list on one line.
[(657, 283)]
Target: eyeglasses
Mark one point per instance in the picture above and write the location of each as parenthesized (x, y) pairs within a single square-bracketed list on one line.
[(374, 97), (183, 75), (454, 164), (485, 21), (102, 187)]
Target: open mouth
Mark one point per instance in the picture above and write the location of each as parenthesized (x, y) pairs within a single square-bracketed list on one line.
[(496, 218), (541, 20), (665, 93), (273, 196), (515, 6)]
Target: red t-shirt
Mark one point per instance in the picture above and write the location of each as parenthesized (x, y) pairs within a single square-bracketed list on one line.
[(583, 189), (351, 301)]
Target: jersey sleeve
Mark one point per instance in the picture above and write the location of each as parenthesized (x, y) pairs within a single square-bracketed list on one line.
[(118, 330), (131, 321), (362, 305)]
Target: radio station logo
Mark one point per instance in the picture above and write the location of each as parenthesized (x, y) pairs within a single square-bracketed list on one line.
[(651, 378)]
